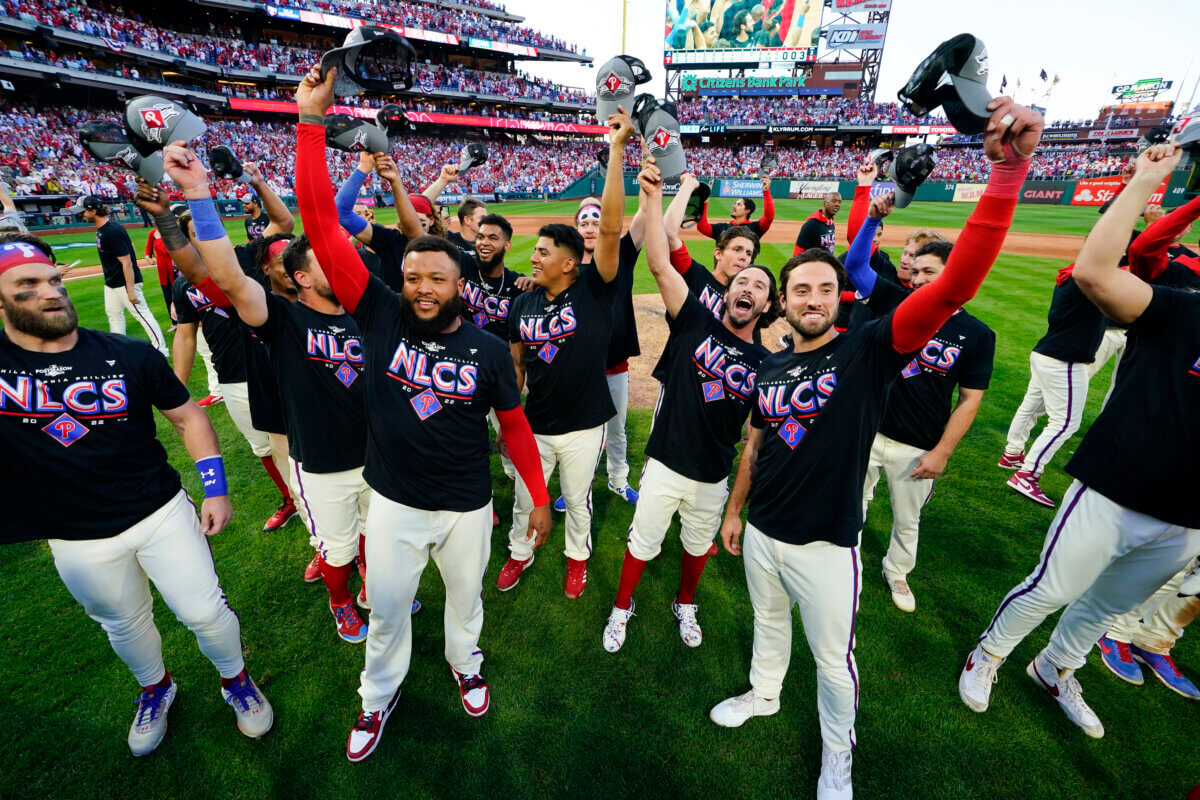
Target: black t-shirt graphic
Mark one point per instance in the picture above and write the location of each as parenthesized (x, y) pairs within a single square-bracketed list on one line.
[(487, 301), (817, 231), (222, 330), (256, 226), (112, 242)]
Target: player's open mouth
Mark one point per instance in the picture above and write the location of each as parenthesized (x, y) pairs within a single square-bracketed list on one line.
[(426, 303), (814, 315), (744, 303)]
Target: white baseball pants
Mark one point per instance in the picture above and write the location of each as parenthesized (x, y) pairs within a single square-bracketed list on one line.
[(334, 508), (1158, 622), (116, 303), (663, 492), (576, 454), (823, 579), (108, 578), (909, 495), (1111, 346), (1057, 389), (214, 384), (1100, 558), (616, 443), (237, 402), (400, 541)]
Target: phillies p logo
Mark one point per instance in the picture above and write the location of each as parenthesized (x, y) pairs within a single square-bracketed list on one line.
[(152, 117)]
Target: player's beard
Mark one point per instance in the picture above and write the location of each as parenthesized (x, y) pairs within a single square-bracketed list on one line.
[(39, 325), (806, 329), (496, 260), (446, 313)]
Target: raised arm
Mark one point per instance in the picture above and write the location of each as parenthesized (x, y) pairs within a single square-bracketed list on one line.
[(678, 207), (281, 220), (858, 257), (153, 201), (406, 215), (448, 175), (671, 286), (1148, 255), (612, 201), (1012, 136), (768, 215), (862, 198), (1120, 295), (347, 196)]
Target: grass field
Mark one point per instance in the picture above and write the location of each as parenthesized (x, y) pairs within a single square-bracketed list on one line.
[(570, 720)]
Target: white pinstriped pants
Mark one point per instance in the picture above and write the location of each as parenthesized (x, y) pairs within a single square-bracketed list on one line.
[(116, 303), (1057, 389)]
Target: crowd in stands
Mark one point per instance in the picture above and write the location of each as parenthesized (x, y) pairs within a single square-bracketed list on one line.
[(806, 110)]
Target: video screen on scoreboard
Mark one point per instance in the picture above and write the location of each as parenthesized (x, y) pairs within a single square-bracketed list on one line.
[(725, 32)]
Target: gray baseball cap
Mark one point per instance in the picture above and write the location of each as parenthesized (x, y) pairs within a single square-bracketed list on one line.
[(107, 142), (153, 122), (954, 76), (910, 168), (351, 135), (88, 201), (615, 81), (658, 126)]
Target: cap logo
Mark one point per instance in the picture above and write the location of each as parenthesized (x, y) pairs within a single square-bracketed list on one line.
[(360, 141), (982, 61), (155, 119), (664, 138), (615, 84), (125, 156)]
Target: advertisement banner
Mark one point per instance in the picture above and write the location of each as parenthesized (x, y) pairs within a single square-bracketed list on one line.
[(369, 202), (733, 188), (1044, 192), (1114, 133), (801, 128), (1060, 135), (968, 192), (859, 6), (286, 107), (811, 190), (1098, 191), (881, 187), (920, 130), (788, 31), (856, 37)]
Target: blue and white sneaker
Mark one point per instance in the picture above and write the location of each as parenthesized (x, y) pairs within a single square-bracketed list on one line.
[(150, 722), (560, 505), (1165, 670), (1119, 660), (254, 714), (628, 494), (416, 606)]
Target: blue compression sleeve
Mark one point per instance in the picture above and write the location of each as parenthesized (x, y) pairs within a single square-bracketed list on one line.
[(858, 259), (205, 219), (345, 199)]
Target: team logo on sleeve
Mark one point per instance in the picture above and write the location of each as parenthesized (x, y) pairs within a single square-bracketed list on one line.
[(426, 404), (791, 432), (65, 430), (548, 352), (713, 391)]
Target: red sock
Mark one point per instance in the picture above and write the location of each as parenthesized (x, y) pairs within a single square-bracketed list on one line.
[(631, 573), (362, 550), (165, 682), (337, 581), (227, 682), (689, 577), (273, 471)]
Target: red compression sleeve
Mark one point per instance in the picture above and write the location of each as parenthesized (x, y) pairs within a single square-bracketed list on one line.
[(318, 212), (681, 259), (928, 308), (522, 449), (1148, 253), (703, 225), (768, 216), (214, 293), (858, 212)]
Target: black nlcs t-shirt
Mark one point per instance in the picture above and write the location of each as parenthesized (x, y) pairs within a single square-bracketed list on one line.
[(222, 331), (455, 238), (817, 231), (1141, 450), (486, 301), (719, 228), (428, 441), (708, 393), (112, 242), (78, 453), (1076, 326), (623, 344), (266, 409), (256, 226), (318, 362), (820, 411), (389, 245), (565, 343)]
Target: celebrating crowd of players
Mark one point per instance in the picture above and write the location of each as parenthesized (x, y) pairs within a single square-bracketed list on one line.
[(364, 363)]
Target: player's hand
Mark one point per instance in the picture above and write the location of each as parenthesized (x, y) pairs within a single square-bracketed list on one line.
[(930, 465), (366, 162), (867, 173), (215, 513), (540, 525), (766, 185), (313, 95), (151, 199), (1156, 164), (1013, 132), (132, 295), (731, 535), (688, 182), (186, 170), (650, 179), (256, 176), (449, 173), (171, 312), (1128, 170), (882, 205), (524, 283), (501, 447), (620, 128), (385, 166)]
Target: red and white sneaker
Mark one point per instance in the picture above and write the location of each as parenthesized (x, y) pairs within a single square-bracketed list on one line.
[(576, 580), (510, 573), (367, 730), (312, 573), (211, 400), (1011, 460), (1026, 483), (349, 624), (281, 517), (495, 519), (476, 698)]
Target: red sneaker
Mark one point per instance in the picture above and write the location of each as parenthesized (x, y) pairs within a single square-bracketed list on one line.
[(1026, 483), (312, 573), (576, 580), (495, 519), (510, 573), (281, 517), (349, 624), (367, 730), (211, 400), (476, 698), (1011, 460)]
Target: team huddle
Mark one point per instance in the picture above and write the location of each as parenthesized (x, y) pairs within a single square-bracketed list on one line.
[(371, 368)]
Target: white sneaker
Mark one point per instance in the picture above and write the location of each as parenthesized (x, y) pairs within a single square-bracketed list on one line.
[(834, 783), (689, 628), (150, 722), (254, 714), (733, 712), (1064, 687), (902, 596), (614, 631), (975, 682)]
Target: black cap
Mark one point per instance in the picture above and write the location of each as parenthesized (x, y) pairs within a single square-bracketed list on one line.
[(88, 201)]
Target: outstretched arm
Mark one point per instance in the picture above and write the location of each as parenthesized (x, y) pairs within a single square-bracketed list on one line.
[(1148, 255), (858, 257), (281, 219), (153, 201), (678, 207), (671, 286), (612, 201), (764, 222), (347, 196), (862, 198), (448, 175), (406, 215)]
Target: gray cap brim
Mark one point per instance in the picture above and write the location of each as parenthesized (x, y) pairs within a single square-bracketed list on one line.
[(975, 96), (903, 197), (152, 169), (75, 209)]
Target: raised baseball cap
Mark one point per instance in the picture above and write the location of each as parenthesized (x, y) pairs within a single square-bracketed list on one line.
[(248, 197), (108, 143), (954, 76), (1187, 133), (882, 156), (352, 135), (394, 123), (768, 165), (910, 168), (602, 157), (225, 164), (153, 122), (473, 154), (695, 205), (615, 82), (658, 126), (371, 59), (87, 201)]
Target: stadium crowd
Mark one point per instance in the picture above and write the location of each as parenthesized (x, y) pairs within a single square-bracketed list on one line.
[(798, 111)]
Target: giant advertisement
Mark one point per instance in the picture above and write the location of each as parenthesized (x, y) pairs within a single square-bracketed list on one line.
[(721, 33), (1044, 192), (735, 188)]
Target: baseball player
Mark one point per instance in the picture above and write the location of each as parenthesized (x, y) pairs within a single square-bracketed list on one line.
[(743, 207), (256, 221), (914, 242), (560, 334), (921, 425), (706, 398), (881, 263), (1120, 534), (122, 278), (71, 397), (819, 229), (817, 409), (429, 381), (385, 242), (471, 212)]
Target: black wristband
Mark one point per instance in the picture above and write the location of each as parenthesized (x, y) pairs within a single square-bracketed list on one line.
[(313, 119), (172, 235)]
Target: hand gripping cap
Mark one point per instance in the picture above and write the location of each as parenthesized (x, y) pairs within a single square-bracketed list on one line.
[(695, 206), (348, 134), (615, 81), (153, 122), (882, 156), (108, 143), (394, 123), (1187, 133), (472, 155), (954, 77), (372, 59), (911, 167)]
